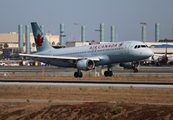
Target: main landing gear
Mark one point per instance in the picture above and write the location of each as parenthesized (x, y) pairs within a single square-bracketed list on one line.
[(108, 72), (78, 74)]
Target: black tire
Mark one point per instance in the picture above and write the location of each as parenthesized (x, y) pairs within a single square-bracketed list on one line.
[(76, 75), (110, 73), (106, 73), (80, 74)]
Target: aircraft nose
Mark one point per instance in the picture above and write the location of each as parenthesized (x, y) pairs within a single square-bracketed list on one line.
[(149, 53)]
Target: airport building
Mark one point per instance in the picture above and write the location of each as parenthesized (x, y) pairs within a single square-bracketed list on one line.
[(12, 40), (161, 47)]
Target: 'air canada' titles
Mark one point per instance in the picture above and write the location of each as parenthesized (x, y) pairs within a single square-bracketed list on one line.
[(105, 46)]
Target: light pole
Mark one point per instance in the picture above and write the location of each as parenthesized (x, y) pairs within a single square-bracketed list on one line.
[(98, 30), (76, 24), (143, 23)]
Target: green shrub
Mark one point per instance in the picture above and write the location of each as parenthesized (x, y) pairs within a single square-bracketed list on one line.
[(82, 89), (82, 109), (27, 100), (116, 111), (68, 109)]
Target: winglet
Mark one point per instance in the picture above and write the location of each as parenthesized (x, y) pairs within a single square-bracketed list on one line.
[(41, 41)]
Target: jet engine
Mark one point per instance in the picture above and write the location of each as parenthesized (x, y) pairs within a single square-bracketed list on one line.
[(86, 64), (130, 65)]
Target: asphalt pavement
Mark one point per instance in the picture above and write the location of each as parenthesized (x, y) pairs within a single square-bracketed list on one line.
[(57, 71)]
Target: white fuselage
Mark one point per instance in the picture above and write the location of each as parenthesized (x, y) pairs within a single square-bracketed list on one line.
[(115, 52)]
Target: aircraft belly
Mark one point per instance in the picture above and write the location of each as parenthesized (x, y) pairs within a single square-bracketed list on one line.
[(57, 63), (104, 60), (123, 58), (116, 58)]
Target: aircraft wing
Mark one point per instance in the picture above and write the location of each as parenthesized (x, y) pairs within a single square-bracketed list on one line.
[(58, 57)]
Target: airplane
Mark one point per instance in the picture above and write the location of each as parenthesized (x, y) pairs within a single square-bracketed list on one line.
[(87, 57), (162, 59)]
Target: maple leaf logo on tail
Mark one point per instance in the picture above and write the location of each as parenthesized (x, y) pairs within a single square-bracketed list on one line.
[(120, 44), (39, 40)]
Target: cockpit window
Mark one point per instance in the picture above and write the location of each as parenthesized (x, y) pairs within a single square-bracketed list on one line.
[(140, 46)]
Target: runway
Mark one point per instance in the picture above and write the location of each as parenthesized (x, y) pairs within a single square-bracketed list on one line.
[(52, 70), (56, 71), (85, 83)]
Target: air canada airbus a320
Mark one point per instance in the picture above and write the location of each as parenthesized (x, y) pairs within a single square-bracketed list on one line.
[(127, 53)]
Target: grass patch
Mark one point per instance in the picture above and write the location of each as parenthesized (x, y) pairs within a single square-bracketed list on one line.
[(46, 88), (83, 89), (82, 109), (116, 110), (68, 109), (27, 100), (5, 88), (131, 76), (131, 88)]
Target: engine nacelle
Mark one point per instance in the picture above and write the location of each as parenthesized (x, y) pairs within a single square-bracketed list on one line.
[(130, 65), (86, 64)]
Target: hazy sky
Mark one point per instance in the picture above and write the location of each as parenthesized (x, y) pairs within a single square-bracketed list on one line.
[(125, 15)]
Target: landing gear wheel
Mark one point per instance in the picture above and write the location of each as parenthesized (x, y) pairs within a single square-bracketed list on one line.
[(78, 74), (108, 73)]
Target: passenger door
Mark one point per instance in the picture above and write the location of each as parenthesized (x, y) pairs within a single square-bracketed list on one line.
[(126, 49)]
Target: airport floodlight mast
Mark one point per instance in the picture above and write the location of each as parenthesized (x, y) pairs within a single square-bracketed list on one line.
[(76, 36), (143, 23), (98, 30)]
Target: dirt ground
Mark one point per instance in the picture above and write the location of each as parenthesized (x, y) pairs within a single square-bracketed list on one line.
[(85, 111), (83, 103)]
